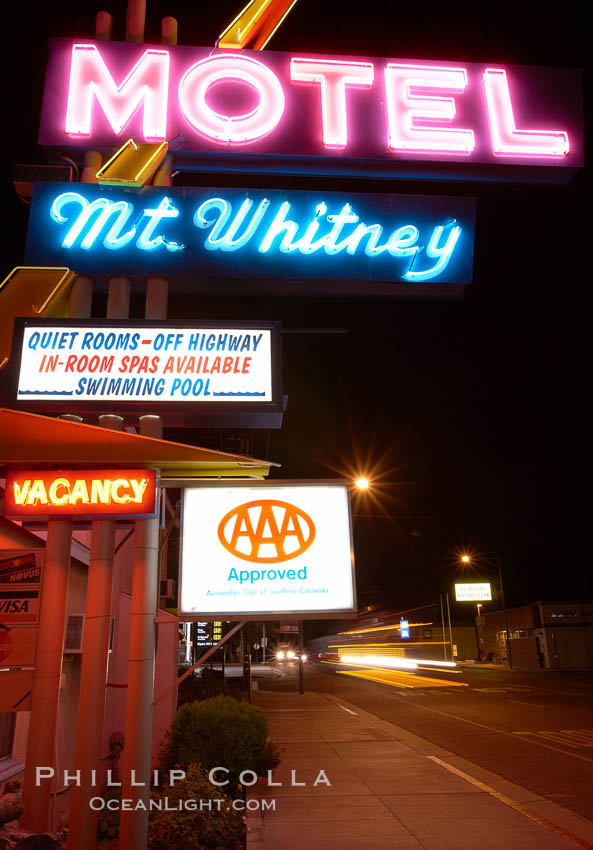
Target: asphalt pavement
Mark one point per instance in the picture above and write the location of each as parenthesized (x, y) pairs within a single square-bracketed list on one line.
[(531, 728)]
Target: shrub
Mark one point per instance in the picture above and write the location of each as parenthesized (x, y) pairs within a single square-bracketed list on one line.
[(210, 684), (167, 760), (108, 820), (223, 732), (195, 830), (269, 759)]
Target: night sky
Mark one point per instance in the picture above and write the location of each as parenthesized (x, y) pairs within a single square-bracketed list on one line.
[(469, 414)]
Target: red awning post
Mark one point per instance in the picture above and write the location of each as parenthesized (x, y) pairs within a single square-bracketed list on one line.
[(46, 680)]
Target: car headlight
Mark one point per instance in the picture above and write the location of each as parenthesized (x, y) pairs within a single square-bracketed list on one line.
[(290, 654), (279, 656), (304, 656)]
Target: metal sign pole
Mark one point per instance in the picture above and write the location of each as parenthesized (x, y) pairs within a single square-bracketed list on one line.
[(141, 661), (301, 641), (97, 631), (248, 672), (443, 628), (93, 675), (450, 629)]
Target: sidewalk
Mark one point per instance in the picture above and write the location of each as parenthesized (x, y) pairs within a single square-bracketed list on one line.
[(388, 792)]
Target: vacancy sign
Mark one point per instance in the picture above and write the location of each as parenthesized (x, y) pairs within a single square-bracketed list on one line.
[(282, 548), (81, 494), (475, 592)]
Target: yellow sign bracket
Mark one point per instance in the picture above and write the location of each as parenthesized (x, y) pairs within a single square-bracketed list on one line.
[(255, 25), (132, 165), (31, 291)]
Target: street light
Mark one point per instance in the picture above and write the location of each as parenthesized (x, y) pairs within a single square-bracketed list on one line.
[(362, 483), (466, 559)]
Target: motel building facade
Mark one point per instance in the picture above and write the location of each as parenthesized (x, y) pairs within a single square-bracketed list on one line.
[(88, 578)]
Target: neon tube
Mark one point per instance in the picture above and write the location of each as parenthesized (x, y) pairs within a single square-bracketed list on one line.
[(146, 83), (237, 69), (332, 76), (506, 138), (408, 112)]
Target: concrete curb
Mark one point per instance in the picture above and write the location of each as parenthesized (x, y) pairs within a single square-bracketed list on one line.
[(255, 829), (563, 818)]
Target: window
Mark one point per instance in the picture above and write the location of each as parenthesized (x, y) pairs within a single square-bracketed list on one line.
[(7, 724)]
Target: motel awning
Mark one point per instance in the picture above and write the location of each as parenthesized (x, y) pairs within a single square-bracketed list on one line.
[(27, 439)]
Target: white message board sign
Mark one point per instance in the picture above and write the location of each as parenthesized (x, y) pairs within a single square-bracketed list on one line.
[(266, 551), (473, 592), (145, 364)]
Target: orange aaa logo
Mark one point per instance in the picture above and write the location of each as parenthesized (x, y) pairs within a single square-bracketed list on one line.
[(266, 531)]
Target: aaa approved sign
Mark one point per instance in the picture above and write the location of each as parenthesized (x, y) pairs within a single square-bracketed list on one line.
[(279, 548)]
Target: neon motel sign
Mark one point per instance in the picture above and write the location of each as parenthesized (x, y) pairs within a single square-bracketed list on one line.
[(81, 493), (313, 106), (255, 233)]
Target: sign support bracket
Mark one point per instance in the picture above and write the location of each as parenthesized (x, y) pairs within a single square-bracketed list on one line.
[(198, 663)]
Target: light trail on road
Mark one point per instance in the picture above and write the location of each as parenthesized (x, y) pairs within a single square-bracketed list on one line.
[(399, 679)]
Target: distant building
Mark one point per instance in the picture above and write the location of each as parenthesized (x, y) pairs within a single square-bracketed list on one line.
[(416, 634), (554, 635)]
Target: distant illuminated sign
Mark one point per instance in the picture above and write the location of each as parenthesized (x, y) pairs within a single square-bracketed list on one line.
[(473, 592), (79, 493), (250, 234), (274, 549), (404, 628), (96, 365), (203, 633), (248, 110)]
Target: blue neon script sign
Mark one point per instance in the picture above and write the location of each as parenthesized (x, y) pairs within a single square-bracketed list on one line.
[(405, 628), (238, 234)]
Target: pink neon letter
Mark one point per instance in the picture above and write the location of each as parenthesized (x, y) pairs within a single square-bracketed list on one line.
[(231, 129), (506, 139), (408, 114), (333, 76), (148, 81)]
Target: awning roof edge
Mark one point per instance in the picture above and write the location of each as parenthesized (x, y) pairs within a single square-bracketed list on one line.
[(28, 439)]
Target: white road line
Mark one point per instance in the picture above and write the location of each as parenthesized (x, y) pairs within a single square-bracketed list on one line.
[(343, 707), (500, 731), (534, 704)]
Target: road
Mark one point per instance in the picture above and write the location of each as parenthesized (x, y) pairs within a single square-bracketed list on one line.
[(533, 728)]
